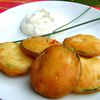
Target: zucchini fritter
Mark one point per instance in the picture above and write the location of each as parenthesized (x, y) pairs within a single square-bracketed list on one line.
[(85, 45), (13, 61), (35, 45), (90, 77), (55, 72)]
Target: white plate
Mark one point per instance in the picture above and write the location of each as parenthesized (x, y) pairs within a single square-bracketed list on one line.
[(19, 88)]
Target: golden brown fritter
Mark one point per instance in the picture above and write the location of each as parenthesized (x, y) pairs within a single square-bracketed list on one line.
[(85, 45), (13, 61), (55, 72), (35, 45), (90, 77)]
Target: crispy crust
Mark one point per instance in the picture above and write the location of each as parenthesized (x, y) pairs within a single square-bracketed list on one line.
[(35, 45), (90, 77), (85, 45), (55, 72), (13, 61)]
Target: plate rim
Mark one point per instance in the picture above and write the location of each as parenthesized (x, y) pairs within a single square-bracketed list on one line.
[(39, 2), (47, 1)]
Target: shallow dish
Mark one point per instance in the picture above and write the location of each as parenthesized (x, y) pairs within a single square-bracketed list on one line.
[(19, 88)]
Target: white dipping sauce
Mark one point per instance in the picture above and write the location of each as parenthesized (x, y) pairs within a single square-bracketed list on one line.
[(39, 23)]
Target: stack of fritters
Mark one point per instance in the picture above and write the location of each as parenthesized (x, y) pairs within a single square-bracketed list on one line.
[(55, 69), (88, 48)]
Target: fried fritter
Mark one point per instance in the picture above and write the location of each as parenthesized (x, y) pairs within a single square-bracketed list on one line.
[(85, 45), (55, 72), (13, 61), (35, 45), (90, 77)]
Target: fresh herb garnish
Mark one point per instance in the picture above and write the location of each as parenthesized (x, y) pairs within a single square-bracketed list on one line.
[(71, 21), (81, 24), (87, 22)]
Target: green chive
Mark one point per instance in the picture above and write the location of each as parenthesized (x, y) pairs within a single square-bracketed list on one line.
[(84, 23), (71, 21), (87, 22)]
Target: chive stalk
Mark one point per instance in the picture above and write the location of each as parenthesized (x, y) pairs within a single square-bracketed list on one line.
[(71, 21), (87, 22), (81, 24), (64, 24)]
